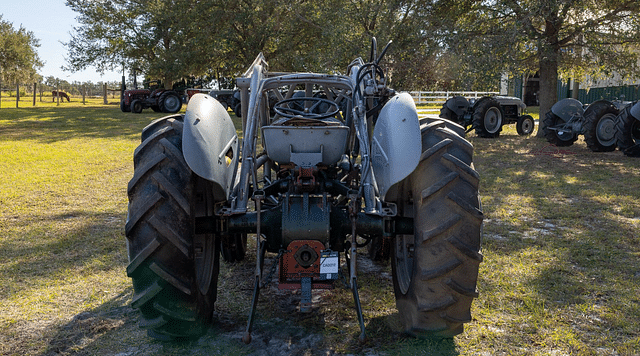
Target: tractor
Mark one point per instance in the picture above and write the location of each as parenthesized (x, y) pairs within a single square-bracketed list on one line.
[(229, 98), (154, 96), (488, 114), (628, 130), (319, 181), (569, 118)]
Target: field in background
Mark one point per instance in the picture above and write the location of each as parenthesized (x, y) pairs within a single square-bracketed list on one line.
[(26, 101), (561, 270)]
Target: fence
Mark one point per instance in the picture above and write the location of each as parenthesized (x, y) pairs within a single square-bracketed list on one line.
[(57, 92), (435, 99)]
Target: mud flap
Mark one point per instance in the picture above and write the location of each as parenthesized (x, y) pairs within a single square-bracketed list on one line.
[(210, 143), (396, 144)]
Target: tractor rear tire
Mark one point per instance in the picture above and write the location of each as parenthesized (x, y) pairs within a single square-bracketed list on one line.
[(173, 270), (525, 125), (488, 118), (169, 102), (628, 133), (435, 271), (560, 139), (600, 126)]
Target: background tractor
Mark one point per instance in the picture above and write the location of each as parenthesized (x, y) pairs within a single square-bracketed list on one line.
[(628, 130), (153, 96), (345, 165), (229, 98), (568, 118), (488, 114)]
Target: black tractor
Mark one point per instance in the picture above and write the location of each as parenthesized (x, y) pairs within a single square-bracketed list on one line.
[(488, 114)]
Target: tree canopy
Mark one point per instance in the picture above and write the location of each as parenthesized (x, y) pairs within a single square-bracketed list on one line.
[(19, 59), (166, 39), (438, 44), (173, 39)]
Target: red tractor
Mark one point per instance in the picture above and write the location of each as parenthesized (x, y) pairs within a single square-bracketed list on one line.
[(155, 97)]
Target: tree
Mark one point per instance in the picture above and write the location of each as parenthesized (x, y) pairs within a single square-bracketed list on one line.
[(552, 37), (166, 39), (329, 34), (180, 38), (19, 59)]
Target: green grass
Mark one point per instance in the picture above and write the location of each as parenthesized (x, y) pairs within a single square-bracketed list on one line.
[(561, 270)]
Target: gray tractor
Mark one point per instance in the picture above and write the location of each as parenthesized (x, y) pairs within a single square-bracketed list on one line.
[(628, 130), (488, 114), (568, 118), (345, 166)]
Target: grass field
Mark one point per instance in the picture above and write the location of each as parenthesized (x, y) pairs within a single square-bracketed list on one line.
[(561, 270)]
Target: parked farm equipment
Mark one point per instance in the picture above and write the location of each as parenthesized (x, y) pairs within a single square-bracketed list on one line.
[(153, 96), (229, 98), (628, 130), (488, 114), (604, 124), (323, 182)]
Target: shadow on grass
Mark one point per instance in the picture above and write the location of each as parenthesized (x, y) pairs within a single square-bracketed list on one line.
[(112, 328), (52, 246), (383, 335), (61, 123), (568, 214), (84, 328)]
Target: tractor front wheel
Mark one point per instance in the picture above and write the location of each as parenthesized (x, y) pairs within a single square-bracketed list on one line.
[(124, 107), (173, 270), (525, 125), (555, 137), (435, 271), (234, 248), (136, 106), (238, 110)]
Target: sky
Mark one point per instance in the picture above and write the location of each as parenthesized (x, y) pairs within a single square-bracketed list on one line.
[(52, 22)]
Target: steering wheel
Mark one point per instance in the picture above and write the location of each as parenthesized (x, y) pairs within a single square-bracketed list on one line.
[(295, 107)]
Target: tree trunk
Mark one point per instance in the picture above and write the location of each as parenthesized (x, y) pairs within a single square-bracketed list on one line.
[(548, 94)]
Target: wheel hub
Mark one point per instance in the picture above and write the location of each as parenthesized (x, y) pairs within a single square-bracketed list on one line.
[(493, 120), (606, 130), (171, 103)]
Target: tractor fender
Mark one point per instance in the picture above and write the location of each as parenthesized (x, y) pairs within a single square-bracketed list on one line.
[(210, 144), (567, 108), (635, 111), (396, 144), (458, 104)]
